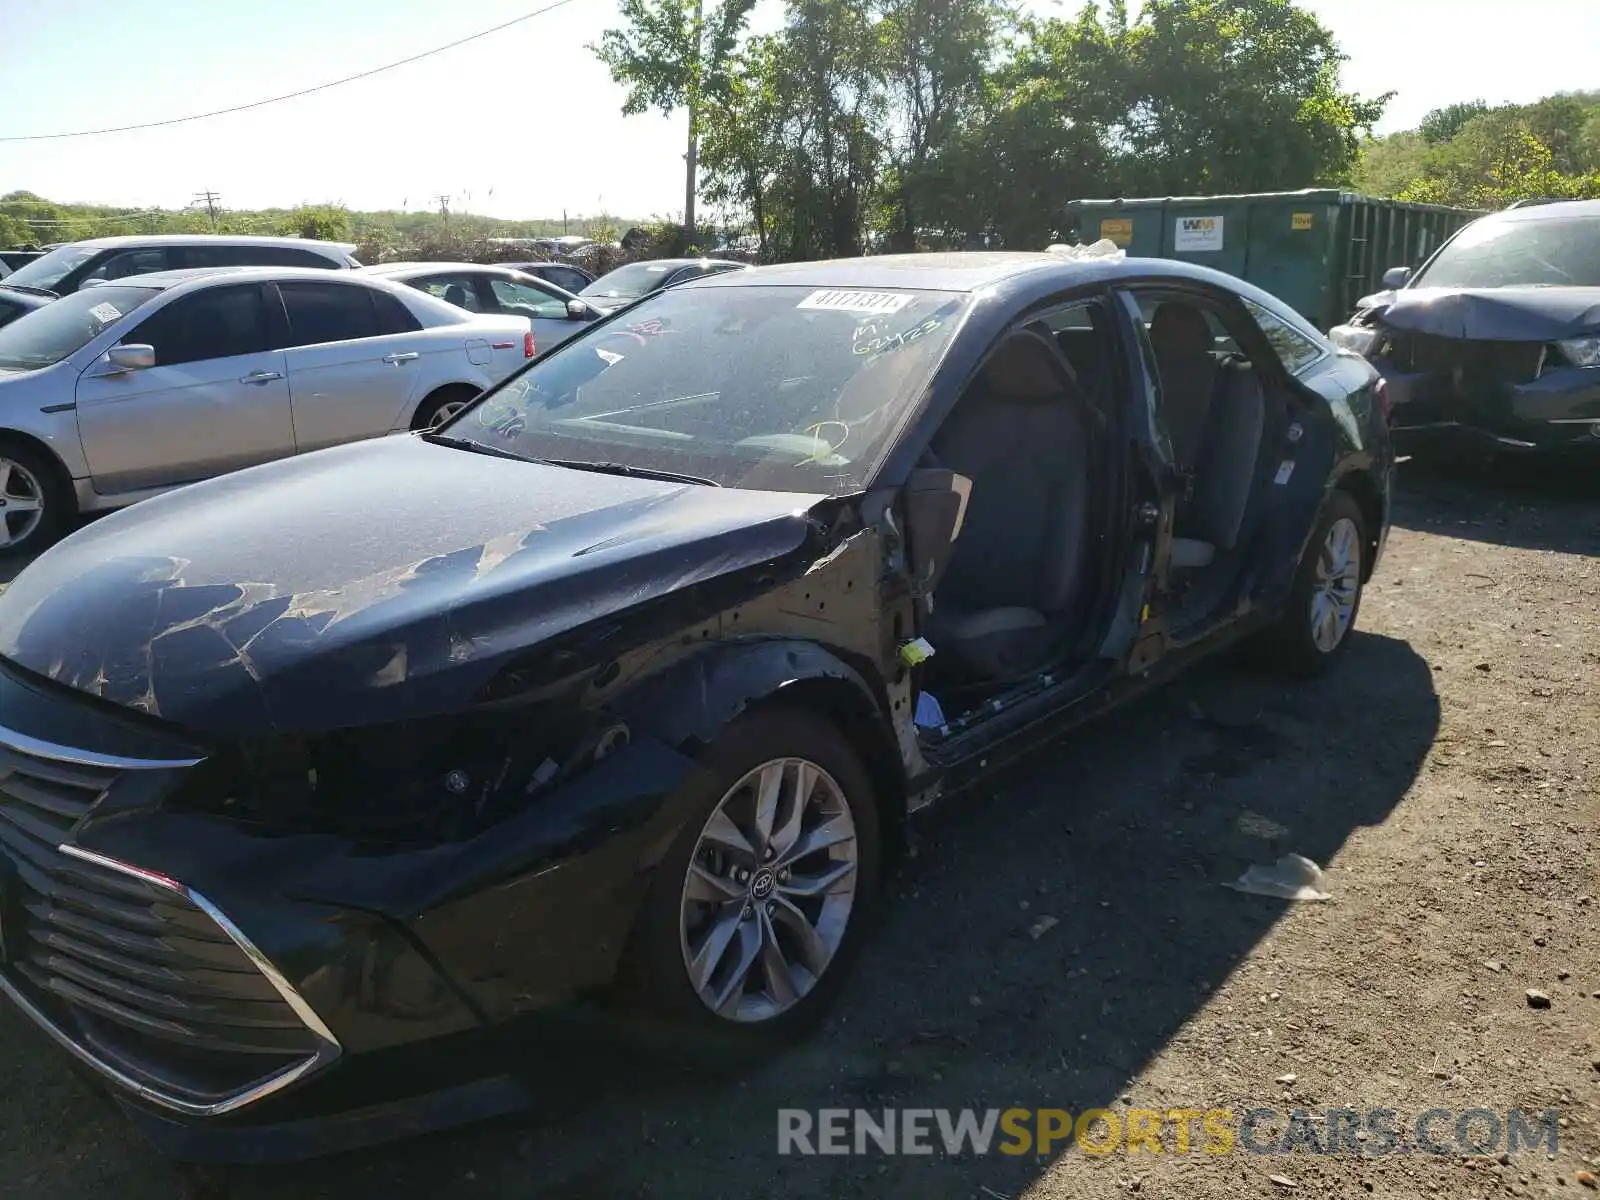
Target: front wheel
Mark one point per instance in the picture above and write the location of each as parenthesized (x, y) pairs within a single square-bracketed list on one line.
[(753, 917), (1316, 623)]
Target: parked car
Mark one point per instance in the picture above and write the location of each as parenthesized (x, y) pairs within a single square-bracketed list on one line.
[(67, 268), (627, 283), (1493, 344), (11, 260), (15, 304), (554, 313), (126, 389), (565, 275), (331, 772)]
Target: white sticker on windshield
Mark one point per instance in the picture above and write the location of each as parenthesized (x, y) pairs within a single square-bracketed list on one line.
[(106, 313), (610, 358), (850, 300)]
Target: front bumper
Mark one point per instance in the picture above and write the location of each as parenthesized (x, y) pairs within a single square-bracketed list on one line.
[(247, 997), (1502, 398)]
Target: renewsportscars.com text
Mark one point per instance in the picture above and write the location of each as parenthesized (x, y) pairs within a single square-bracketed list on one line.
[(1214, 1131)]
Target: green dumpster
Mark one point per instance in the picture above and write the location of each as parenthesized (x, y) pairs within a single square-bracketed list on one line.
[(1318, 250)]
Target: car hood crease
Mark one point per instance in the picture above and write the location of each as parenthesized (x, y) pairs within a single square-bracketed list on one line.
[(312, 593)]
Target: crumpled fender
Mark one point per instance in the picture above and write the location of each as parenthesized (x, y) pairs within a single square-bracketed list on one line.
[(693, 701)]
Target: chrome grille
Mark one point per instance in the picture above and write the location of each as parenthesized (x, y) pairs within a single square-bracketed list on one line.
[(135, 974), (44, 799)]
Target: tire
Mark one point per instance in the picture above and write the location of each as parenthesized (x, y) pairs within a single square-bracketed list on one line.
[(672, 927), (29, 476), (442, 404), (1302, 644)]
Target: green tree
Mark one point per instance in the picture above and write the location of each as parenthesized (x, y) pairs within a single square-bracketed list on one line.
[(934, 63), (324, 222), (672, 54), (1236, 96), (13, 232), (1442, 124)]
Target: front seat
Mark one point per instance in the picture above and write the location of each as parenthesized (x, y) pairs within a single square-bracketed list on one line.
[(1182, 342), (457, 295), (1018, 567)]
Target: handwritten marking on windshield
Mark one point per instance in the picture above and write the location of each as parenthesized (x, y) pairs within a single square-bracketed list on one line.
[(883, 343)]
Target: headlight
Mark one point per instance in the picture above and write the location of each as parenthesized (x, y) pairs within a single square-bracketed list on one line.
[(415, 783), (1582, 352), (1358, 338)]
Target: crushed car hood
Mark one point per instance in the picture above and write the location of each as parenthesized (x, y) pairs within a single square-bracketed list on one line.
[(379, 581), (1512, 314)]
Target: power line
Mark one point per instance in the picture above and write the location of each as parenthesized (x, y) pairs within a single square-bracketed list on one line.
[(321, 87)]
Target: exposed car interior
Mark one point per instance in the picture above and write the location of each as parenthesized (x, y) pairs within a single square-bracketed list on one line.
[(1014, 597), (1217, 416), (1010, 598)]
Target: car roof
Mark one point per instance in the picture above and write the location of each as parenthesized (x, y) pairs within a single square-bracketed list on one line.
[(172, 279), (1009, 277), (422, 268), (674, 262), (958, 271), (208, 239), (1555, 209)]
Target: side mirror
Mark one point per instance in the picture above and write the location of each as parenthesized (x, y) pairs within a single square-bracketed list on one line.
[(1395, 277), (135, 357), (936, 505), (579, 311)]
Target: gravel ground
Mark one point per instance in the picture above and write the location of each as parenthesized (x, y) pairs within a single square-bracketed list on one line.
[(1446, 777)]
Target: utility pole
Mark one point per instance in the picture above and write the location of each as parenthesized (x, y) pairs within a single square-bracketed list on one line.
[(692, 157), (444, 208), (209, 199)]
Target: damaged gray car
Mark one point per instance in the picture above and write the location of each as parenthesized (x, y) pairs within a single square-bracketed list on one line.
[(349, 796), (1493, 346)]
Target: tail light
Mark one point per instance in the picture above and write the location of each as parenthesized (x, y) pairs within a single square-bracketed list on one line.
[(527, 345)]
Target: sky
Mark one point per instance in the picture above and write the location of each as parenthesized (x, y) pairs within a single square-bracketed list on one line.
[(524, 123)]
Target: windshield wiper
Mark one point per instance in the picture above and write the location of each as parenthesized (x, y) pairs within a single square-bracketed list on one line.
[(32, 291), (439, 439), (616, 468)]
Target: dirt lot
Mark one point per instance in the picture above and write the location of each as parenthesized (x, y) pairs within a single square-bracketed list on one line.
[(1447, 777)]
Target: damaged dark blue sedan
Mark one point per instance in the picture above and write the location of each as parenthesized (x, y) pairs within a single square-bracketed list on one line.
[(613, 695), (1493, 345)]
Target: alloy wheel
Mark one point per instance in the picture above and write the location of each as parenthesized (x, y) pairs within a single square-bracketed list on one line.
[(446, 411), (21, 503), (1337, 584), (769, 891)]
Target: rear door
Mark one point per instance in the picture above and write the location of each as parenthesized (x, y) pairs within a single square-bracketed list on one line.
[(354, 363), (215, 401)]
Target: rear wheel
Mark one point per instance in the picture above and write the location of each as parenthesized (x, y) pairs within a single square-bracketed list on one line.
[(754, 916), (441, 405), (36, 501), (1321, 613)]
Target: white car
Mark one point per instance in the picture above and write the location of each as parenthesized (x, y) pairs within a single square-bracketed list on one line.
[(68, 267), (124, 390), (556, 314)]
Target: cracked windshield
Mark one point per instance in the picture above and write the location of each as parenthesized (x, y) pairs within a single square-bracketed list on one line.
[(772, 387)]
